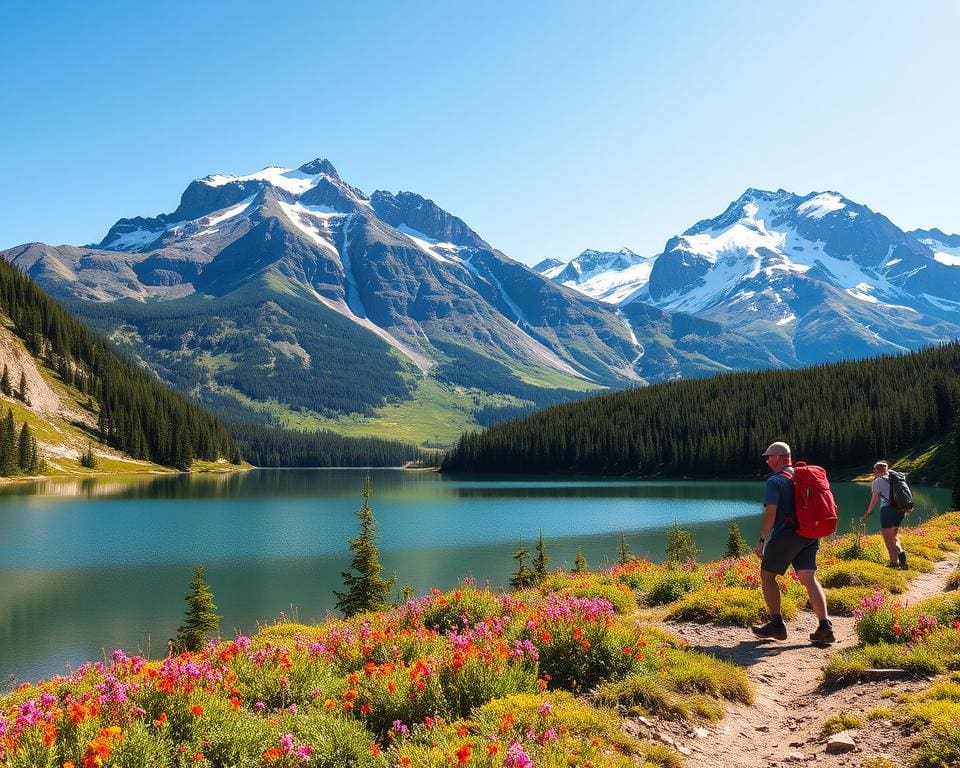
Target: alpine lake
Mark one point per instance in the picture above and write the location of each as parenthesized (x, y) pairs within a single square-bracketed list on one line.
[(91, 565)]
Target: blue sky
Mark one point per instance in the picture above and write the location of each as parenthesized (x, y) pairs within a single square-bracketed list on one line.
[(549, 127)]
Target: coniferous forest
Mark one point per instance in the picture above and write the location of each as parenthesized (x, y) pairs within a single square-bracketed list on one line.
[(269, 447), (839, 415), (137, 414)]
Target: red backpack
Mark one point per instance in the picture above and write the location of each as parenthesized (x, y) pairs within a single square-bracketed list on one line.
[(814, 506)]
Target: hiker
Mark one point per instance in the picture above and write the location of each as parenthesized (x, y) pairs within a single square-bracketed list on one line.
[(780, 546), (891, 518)]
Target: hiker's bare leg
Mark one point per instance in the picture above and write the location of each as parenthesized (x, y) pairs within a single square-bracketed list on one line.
[(818, 600), (891, 540), (771, 591)]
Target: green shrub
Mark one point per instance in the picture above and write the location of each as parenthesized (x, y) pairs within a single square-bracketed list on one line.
[(592, 586), (578, 657), (337, 741), (840, 722), (460, 608), (848, 666), (860, 573), (734, 606), (670, 586), (940, 746), (953, 580), (844, 601)]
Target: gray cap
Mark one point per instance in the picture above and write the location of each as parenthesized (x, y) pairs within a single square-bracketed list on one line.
[(777, 449)]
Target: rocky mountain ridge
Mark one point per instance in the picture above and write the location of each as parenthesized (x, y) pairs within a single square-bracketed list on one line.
[(290, 295), (818, 277)]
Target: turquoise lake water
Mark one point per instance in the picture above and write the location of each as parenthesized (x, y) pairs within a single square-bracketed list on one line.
[(87, 566)]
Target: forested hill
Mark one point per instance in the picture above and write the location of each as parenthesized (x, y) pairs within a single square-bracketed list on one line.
[(840, 415), (136, 414), (273, 447)]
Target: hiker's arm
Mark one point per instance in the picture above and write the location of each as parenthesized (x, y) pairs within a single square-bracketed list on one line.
[(766, 524), (873, 503)]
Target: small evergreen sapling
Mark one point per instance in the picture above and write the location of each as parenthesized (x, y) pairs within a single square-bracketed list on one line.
[(680, 546), (523, 577), (541, 561), (623, 551), (201, 616), (580, 563), (367, 590), (736, 545)]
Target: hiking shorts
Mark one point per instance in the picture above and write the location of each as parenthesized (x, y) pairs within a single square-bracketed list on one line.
[(789, 549), (890, 517)]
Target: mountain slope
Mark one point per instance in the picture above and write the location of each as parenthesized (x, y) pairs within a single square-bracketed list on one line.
[(816, 277), (75, 392), (290, 296)]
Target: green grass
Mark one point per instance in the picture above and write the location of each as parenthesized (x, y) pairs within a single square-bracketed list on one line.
[(841, 722), (436, 416)]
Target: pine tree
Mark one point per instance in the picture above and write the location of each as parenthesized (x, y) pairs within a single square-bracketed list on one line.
[(22, 393), (25, 455), (8, 445), (5, 381), (201, 615), (623, 551), (88, 458), (680, 546), (580, 563), (541, 561), (367, 590), (736, 545), (523, 577)]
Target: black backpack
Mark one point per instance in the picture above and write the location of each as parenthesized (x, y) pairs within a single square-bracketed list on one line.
[(900, 494)]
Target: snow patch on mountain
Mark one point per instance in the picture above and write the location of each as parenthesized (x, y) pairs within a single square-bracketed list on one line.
[(214, 219), (819, 206), (445, 253), (135, 240), (295, 182), (314, 221)]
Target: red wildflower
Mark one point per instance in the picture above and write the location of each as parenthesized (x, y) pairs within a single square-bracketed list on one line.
[(463, 754)]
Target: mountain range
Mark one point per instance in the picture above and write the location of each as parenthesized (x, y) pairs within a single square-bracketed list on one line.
[(812, 278), (291, 297)]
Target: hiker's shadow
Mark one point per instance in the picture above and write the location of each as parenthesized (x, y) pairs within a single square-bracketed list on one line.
[(748, 652)]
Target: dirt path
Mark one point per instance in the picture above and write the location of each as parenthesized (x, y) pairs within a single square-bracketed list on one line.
[(783, 726)]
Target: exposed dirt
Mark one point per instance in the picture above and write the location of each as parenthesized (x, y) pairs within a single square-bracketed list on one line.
[(783, 727)]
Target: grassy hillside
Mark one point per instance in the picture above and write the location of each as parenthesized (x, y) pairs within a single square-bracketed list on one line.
[(65, 433)]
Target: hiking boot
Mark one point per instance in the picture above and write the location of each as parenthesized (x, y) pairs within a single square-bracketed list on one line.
[(772, 630), (902, 559), (823, 636)]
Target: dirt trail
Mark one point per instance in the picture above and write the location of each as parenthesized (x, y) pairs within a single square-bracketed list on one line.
[(783, 726)]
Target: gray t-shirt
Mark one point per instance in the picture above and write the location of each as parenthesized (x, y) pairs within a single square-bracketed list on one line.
[(881, 485)]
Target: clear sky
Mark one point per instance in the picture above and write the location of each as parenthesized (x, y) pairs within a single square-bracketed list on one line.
[(549, 127)]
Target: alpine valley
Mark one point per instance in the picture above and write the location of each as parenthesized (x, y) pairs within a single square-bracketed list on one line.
[(291, 297), (812, 278)]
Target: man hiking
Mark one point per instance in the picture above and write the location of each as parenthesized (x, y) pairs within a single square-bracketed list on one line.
[(891, 518), (780, 547)]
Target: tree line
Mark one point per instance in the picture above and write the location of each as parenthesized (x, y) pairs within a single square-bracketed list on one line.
[(19, 453), (269, 447), (137, 414), (839, 415)]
